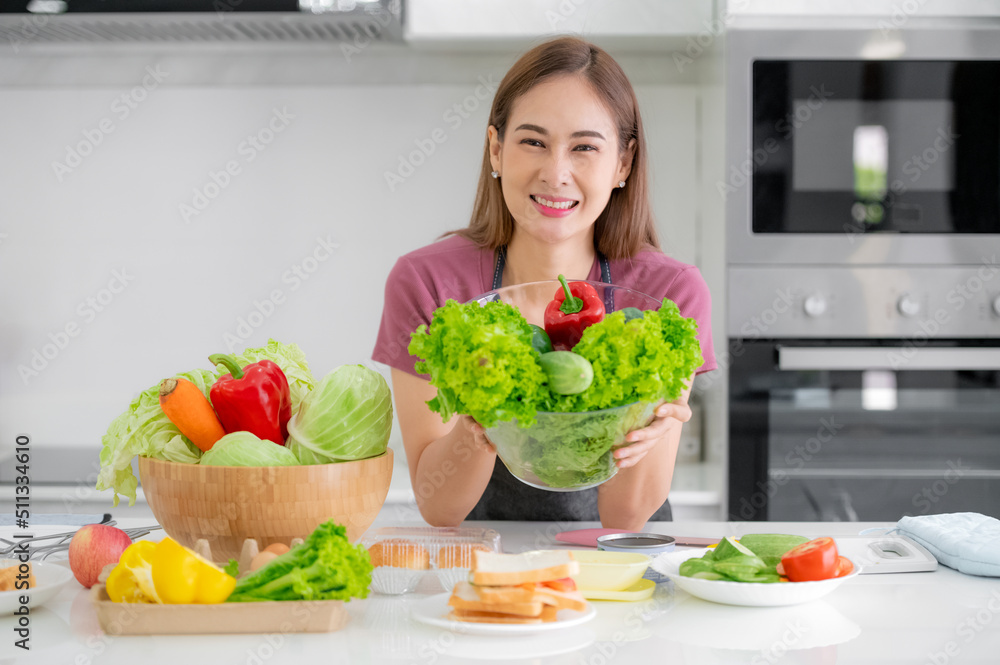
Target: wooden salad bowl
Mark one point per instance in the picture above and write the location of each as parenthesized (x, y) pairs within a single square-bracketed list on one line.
[(228, 504)]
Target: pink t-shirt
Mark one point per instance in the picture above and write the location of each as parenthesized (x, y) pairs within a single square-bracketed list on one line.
[(456, 268)]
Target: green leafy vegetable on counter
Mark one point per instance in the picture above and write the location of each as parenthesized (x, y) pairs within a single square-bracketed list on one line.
[(751, 559), (348, 416), (325, 567), (481, 360), (245, 449), (143, 429), (232, 568)]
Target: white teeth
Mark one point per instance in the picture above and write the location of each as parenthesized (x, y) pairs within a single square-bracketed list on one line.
[(563, 205)]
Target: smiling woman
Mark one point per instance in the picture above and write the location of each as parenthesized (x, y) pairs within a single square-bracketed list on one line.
[(563, 190)]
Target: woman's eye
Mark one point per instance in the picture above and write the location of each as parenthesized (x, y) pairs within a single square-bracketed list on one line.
[(585, 148), (531, 142)]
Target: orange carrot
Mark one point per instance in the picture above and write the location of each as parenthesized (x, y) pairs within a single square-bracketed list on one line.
[(189, 409)]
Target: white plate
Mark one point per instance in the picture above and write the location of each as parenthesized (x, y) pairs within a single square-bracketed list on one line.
[(50, 578), (433, 610), (744, 593)]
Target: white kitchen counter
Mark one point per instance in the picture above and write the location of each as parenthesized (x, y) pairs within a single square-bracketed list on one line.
[(940, 617)]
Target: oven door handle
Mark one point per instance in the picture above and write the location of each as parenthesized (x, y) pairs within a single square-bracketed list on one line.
[(894, 358)]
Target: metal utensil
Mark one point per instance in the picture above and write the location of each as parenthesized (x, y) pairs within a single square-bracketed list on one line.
[(63, 539)]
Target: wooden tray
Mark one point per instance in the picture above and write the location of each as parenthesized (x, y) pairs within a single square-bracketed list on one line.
[(291, 616)]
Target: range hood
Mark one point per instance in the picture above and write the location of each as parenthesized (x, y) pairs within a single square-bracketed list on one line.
[(357, 22)]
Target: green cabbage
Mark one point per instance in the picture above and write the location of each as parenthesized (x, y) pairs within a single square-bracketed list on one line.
[(143, 429), (245, 449), (347, 416)]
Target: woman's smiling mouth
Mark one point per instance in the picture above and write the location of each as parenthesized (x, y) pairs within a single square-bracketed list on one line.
[(555, 203)]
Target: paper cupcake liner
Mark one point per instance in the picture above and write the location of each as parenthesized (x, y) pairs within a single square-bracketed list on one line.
[(394, 581), (449, 577)]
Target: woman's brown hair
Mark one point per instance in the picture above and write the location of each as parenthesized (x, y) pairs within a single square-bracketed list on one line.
[(626, 225)]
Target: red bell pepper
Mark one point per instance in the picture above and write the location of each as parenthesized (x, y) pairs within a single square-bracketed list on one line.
[(254, 399), (574, 307)]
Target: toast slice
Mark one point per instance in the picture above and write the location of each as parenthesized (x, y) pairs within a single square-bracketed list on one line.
[(465, 597), (561, 600), (475, 616), (496, 569)]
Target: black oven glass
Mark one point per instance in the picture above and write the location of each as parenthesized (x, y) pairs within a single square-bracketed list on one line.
[(876, 146), (860, 445)]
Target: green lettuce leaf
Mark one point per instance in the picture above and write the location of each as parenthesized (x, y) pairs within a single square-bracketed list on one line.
[(292, 361), (325, 567), (482, 363), (639, 360)]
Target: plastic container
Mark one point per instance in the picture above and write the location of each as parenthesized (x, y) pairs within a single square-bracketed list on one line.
[(595, 435), (403, 556), (609, 571)]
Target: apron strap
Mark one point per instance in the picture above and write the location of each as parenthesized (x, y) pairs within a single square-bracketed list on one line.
[(502, 261)]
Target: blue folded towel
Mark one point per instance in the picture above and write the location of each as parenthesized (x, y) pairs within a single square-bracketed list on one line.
[(967, 542)]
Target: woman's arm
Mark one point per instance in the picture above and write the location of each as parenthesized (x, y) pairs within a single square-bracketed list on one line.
[(646, 468), (450, 463)]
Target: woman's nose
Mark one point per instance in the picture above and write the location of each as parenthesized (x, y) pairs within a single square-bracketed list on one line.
[(557, 169)]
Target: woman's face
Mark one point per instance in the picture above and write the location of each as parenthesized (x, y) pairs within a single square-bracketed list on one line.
[(559, 160)]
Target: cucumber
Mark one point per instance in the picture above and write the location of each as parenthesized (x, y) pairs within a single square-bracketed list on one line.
[(632, 313), (771, 546), (728, 548), (540, 339), (568, 373)]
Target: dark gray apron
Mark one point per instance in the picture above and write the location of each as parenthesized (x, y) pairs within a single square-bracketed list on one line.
[(507, 498)]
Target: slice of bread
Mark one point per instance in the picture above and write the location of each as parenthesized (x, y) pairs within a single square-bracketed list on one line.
[(561, 600), (489, 617), (496, 569), (464, 597)]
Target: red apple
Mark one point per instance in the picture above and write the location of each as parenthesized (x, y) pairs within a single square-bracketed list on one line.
[(93, 547)]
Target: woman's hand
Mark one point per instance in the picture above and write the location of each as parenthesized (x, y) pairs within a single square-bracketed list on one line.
[(667, 416), (477, 433)]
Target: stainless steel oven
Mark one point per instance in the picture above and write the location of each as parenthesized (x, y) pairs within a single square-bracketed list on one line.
[(863, 283), (851, 410)]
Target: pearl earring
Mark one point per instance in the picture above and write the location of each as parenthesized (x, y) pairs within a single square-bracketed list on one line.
[(495, 174), (621, 183)]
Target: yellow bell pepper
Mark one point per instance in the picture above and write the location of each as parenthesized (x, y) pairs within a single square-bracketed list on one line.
[(131, 581), (183, 577)]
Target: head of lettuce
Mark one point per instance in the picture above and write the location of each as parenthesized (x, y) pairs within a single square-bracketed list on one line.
[(347, 416)]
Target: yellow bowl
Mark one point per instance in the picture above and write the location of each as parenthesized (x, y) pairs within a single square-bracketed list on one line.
[(609, 571), (273, 504)]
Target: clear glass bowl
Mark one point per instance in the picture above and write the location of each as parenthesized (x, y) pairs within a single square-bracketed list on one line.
[(567, 452)]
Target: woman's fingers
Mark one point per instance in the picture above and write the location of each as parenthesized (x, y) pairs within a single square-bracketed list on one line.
[(630, 455), (681, 412), (479, 434)]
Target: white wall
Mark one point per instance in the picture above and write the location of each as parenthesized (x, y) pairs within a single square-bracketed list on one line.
[(190, 281)]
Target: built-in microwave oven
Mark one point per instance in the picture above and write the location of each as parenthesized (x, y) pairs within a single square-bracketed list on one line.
[(863, 145)]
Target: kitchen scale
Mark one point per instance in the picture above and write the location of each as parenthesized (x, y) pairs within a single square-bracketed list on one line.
[(893, 553)]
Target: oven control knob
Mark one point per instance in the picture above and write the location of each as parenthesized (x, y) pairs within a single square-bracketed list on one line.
[(996, 305), (815, 305), (908, 306)]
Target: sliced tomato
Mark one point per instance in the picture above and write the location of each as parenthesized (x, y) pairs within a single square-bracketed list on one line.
[(844, 566), (564, 584), (815, 560), (780, 569)]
